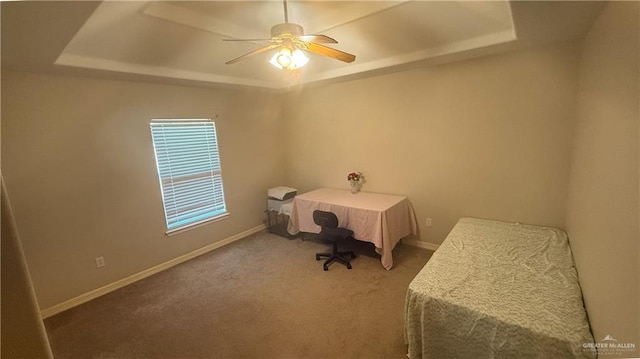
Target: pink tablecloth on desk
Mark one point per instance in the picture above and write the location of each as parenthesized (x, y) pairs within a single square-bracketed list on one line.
[(381, 219)]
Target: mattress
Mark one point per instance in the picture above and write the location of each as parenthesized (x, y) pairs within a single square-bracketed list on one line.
[(498, 290)]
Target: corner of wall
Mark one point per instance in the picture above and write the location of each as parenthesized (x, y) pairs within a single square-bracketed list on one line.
[(603, 206)]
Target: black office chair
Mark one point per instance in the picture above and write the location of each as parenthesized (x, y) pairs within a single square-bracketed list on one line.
[(330, 232)]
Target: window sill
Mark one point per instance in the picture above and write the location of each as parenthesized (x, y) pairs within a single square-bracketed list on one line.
[(173, 232)]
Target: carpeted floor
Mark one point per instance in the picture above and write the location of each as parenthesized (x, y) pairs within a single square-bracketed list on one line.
[(263, 296)]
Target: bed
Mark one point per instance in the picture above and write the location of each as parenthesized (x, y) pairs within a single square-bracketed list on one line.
[(498, 290)]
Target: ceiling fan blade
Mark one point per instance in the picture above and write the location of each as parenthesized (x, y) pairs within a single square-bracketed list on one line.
[(260, 50), (318, 38), (327, 51)]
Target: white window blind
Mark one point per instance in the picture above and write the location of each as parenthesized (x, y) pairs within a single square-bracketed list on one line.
[(189, 171)]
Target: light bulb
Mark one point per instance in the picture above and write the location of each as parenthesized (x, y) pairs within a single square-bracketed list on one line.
[(282, 58), (298, 59), (285, 59)]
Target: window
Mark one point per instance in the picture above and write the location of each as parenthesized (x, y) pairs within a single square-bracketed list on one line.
[(189, 171)]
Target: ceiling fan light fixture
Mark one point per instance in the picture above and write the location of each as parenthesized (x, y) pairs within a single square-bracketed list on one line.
[(290, 39), (285, 59)]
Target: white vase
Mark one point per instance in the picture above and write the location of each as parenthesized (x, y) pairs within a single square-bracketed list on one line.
[(355, 188)]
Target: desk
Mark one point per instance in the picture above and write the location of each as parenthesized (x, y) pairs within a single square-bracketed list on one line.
[(381, 219)]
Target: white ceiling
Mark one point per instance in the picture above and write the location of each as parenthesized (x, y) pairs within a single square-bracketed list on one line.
[(182, 40)]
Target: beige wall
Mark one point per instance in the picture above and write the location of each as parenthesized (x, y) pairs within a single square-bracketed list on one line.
[(603, 205), (23, 334), (78, 163), (485, 138)]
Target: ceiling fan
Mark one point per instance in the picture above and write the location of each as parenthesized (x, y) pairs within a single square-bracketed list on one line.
[(290, 39)]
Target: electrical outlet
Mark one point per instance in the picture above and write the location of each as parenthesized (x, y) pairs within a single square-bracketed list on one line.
[(427, 222), (100, 262)]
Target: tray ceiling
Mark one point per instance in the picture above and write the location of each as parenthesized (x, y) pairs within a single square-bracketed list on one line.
[(182, 40)]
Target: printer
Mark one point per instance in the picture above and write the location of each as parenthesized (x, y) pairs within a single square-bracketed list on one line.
[(280, 199)]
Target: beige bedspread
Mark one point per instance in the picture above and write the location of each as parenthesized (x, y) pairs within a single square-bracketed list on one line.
[(497, 290)]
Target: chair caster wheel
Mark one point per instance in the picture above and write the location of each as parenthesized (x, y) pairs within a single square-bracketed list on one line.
[(348, 266), (325, 268), (317, 257)]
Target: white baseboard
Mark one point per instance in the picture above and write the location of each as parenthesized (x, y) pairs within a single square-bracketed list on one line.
[(83, 298), (421, 244)]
